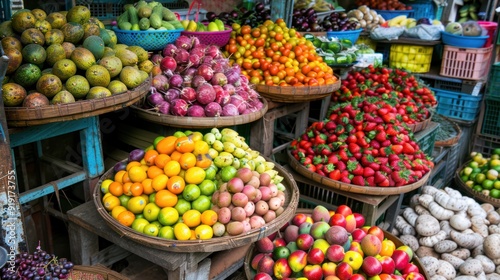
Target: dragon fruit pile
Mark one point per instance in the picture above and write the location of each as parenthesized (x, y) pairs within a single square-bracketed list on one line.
[(196, 80)]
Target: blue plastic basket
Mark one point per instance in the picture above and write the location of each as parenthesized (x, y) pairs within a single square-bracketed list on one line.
[(457, 105), (423, 9), (150, 40), (351, 35), (388, 14), (463, 41)]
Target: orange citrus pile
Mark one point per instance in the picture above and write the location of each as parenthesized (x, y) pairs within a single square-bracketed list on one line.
[(168, 192), (273, 54)]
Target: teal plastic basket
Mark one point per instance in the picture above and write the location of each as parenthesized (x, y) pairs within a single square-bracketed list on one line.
[(457, 105), (351, 35), (491, 119), (150, 40)]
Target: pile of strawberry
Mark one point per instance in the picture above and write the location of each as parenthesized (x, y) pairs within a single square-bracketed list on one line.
[(414, 98), (363, 142)]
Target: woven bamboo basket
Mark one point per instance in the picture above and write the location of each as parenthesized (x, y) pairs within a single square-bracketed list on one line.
[(419, 126), (452, 140), (96, 272), (293, 94), (354, 188), (20, 116), (473, 193), (211, 245), (250, 273), (199, 123)]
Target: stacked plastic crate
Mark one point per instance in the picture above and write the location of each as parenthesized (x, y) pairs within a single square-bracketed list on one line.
[(9, 7), (488, 131)]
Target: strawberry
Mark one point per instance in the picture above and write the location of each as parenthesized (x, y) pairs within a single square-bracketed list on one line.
[(385, 168), (395, 165), (370, 181), (369, 126), (345, 179), (397, 149), (334, 175), (379, 177), (391, 131), (333, 158), (385, 143), (401, 176), (381, 136), (341, 166), (368, 171), (407, 164), (354, 167), (353, 147), (397, 139), (393, 157), (382, 160), (358, 180), (384, 183), (375, 166), (408, 149), (343, 154), (375, 144)]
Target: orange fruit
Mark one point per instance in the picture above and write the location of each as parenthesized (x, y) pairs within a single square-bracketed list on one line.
[(150, 157), (126, 178), (184, 144), (126, 218), (131, 164), (203, 160), (192, 218), (116, 188), (136, 189), (165, 198), (209, 217), (119, 176), (111, 202), (388, 248), (204, 232), (166, 145), (194, 175), (176, 184), (154, 171), (187, 160), (182, 231), (175, 155), (117, 210), (172, 168), (126, 188), (137, 174), (147, 185), (161, 160), (160, 182)]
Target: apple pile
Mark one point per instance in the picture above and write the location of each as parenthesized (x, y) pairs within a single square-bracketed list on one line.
[(331, 245)]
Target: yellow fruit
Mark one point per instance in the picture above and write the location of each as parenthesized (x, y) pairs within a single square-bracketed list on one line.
[(111, 202), (105, 185), (137, 174), (182, 231), (117, 210), (194, 175), (192, 218), (136, 204), (204, 232)]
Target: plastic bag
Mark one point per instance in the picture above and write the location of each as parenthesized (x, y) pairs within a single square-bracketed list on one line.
[(425, 32), (386, 33)]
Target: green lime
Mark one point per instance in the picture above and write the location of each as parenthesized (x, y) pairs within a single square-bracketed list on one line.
[(496, 184), (207, 187), (139, 216), (228, 172), (124, 200), (157, 224), (495, 193), (496, 151), (188, 132), (157, 139), (281, 252), (152, 197), (474, 164), (210, 172), (179, 134), (202, 203), (151, 230), (166, 232), (477, 188), (464, 178), (191, 192), (139, 223), (182, 206), (487, 184), (480, 178)]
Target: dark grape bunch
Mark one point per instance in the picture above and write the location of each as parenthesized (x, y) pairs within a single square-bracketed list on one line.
[(38, 266)]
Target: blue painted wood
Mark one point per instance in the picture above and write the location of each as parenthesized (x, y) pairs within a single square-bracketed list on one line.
[(48, 188), (91, 151)]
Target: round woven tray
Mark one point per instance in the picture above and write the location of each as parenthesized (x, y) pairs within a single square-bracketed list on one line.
[(293, 94), (473, 193), (419, 126), (354, 188), (95, 272), (198, 123), (452, 140), (249, 273), (20, 116), (210, 245)]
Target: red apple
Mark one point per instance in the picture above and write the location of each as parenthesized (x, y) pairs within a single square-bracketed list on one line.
[(371, 266), (262, 276), (357, 277), (264, 245), (256, 259), (401, 259), (304, 241), (388, 265), (299, 218), (354, 259), (273, 235), (335, 253), (343, 271), (266, 264), (315, 256), (297, 260), (365, 228), (410, 267), (282, 269), (360, 220), (280, 241), (350, 223), (371, 245), (378, 232), (313, 272), (344, 210), (413, 276), (337, 220), (407, 249), (358, 234), (328, 268), (331, 277)]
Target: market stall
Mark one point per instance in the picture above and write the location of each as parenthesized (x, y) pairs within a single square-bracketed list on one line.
[(267, 141)]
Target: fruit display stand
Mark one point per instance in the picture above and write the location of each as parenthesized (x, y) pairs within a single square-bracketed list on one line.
[(198, 123), (21, 116)]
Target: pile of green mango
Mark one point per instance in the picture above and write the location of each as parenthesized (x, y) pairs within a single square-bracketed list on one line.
[(144, 16)]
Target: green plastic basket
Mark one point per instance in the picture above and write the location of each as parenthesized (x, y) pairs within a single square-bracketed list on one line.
[(150, 40), (491, 119), (427, 137)]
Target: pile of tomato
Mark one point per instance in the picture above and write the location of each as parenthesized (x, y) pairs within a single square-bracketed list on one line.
[(273, 54)]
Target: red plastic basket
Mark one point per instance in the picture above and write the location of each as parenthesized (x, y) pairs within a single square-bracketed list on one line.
[(219, 38), (466, 63)]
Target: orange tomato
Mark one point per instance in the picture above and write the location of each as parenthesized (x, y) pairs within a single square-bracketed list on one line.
[(165, 198)]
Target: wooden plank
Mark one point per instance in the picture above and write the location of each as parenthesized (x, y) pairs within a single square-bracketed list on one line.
[(109, 255), (48, 188), (225, 263), (83, 244)]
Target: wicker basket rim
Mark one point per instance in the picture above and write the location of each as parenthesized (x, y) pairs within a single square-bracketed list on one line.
[(355, 188), (453, 140)]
